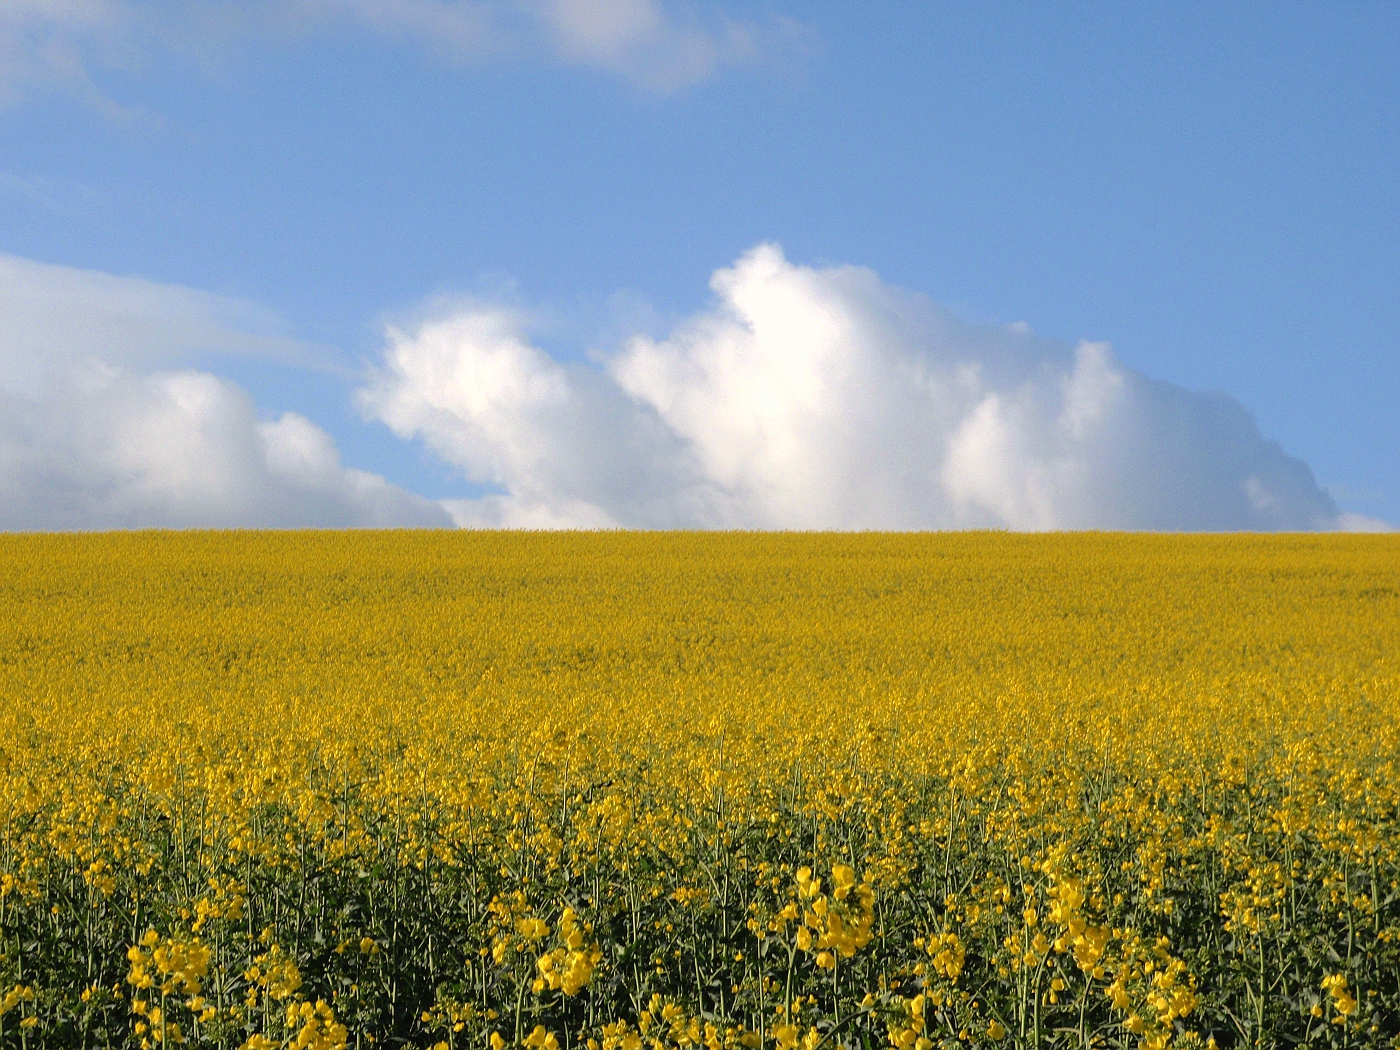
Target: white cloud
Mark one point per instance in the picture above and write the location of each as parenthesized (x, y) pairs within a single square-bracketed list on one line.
[(59, 45), (115, 450), (802, 398), (507, 414), (823, 398), (98, 430)]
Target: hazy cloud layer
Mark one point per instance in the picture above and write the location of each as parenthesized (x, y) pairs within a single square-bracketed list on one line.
[(823, 398), (57, 45), (51, 45), (1362, 523), (54, 316)]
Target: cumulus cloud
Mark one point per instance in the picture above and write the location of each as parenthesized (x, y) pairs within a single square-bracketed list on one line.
[(98, 431), (58, 45), (567, 441), (824, 398), (179, 450)]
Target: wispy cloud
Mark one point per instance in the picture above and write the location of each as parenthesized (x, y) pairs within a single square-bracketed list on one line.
[(659, 48), (53, 45), (458, 30), (50, 195), (656, 45), (54, 316), (823, 398)]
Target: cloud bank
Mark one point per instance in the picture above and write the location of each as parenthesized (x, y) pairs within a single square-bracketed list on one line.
[(822, 398), (802, 398)]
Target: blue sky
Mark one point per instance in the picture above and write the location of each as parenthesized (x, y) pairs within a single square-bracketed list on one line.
[(1211, 189)]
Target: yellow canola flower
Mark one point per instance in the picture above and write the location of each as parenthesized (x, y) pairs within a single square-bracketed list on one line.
[(316, 1027), (1342, 999), (533, 929), (786, 783)]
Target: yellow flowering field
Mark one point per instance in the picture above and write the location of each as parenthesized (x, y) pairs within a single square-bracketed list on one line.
[(661, 791)]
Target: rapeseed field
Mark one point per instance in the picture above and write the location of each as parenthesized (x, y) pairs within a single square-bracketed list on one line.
[(699, 792)]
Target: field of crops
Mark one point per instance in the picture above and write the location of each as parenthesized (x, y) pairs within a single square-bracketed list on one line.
[(662, 791)]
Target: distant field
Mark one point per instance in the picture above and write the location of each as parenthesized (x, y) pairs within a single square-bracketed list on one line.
[(699, 790)]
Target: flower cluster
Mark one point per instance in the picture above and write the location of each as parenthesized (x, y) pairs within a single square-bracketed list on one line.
[(569, 967), (836, 924)]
